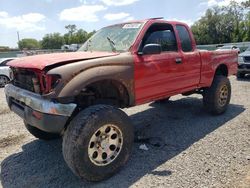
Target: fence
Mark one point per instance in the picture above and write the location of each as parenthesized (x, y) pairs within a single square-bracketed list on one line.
[(241, 45), (29, 52)]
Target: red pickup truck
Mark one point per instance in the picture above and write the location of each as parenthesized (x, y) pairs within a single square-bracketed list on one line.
[(79, 95)]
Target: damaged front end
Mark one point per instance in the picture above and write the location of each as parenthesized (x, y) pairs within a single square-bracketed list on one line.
[(25, 97), (34, 80)]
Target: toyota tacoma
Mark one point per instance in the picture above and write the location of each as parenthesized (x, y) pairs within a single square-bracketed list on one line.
[(78, 95)]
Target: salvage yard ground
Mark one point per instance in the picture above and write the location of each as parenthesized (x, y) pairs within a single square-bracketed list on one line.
[(187, 147)]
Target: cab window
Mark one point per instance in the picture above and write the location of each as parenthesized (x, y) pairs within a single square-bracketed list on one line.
[(162, 34), (186, 42)]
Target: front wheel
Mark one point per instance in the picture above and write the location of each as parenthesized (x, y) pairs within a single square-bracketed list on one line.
[(217, 97), (3, 80), (98, 142)]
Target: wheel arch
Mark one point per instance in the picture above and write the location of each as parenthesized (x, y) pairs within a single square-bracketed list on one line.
[(5, 76), (222, 70), (108, 90), (116, 77)]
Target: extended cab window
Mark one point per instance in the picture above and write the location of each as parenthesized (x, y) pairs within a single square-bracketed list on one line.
[(186, 42), (162, 34)]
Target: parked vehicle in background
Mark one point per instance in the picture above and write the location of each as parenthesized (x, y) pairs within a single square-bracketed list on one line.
[(78, 95), (5, 71), (71, 47), (74, 47), (4, 61), (244, 63), (231, 47)]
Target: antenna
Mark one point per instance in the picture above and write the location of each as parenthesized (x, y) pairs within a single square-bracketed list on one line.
[(18, 38), (157, 18)]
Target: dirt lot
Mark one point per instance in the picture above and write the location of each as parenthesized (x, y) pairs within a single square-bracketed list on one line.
[(187, 148)]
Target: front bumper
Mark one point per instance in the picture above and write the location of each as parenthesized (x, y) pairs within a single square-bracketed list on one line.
[(38, 112)]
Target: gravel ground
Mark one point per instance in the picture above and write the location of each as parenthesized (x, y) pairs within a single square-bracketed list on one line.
[(187, 148)]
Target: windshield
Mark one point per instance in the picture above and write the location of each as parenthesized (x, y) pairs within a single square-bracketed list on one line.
[(116, 38)]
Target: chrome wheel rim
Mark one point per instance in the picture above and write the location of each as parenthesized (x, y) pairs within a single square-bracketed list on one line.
[(105, 145), (3, 81), (223, 95)]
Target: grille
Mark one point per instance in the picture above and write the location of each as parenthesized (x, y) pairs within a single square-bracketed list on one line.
[(23, 79), (247, 59)]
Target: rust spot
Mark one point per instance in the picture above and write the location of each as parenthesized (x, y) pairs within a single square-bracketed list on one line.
[(53, 111), (37, 115)]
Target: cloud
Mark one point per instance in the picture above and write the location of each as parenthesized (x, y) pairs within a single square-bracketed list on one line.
[(117, 16), (3, 14), (83, 1), (211, 3), (27, 22), (130, 18), (85, 13), (188, 21), (118, 2)]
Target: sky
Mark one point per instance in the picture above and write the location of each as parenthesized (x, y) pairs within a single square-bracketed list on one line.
[(35, 18)]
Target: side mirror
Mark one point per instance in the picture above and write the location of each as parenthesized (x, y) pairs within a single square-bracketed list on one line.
[(151, 49)]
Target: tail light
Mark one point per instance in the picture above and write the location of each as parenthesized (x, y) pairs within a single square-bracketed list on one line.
[(49, 82)]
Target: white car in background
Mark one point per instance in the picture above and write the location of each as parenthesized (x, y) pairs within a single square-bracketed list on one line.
[(5, 72), (230, 47)]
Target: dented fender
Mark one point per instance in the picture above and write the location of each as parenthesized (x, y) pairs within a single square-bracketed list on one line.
[(76, 76)]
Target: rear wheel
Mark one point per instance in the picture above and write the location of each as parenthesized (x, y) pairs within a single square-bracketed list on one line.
[(217, 97), (3, 80), (41, 134), (98, 142)]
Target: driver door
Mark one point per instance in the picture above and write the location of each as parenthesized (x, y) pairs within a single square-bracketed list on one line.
[(158, 75)]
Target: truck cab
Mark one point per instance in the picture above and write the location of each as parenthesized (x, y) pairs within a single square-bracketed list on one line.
[(176, 62)]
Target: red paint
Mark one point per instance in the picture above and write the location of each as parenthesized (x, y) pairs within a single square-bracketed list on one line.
[(41, 61), (158, 76)]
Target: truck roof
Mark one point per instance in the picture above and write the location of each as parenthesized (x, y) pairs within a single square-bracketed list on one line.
[(158, 19)]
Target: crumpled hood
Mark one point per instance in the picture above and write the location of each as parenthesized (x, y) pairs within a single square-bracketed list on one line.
[(45, 60)]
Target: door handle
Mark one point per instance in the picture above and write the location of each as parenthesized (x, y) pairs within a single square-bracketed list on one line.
[(178, 60)]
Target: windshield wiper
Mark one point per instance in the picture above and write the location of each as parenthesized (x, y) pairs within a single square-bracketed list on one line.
[(112, 44)]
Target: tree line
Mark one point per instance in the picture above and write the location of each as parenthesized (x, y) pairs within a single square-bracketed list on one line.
[(56, 40), (224, 24)]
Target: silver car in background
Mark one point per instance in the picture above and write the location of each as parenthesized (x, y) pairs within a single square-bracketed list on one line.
[(230, 47), (244, 63), (5, 71)]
